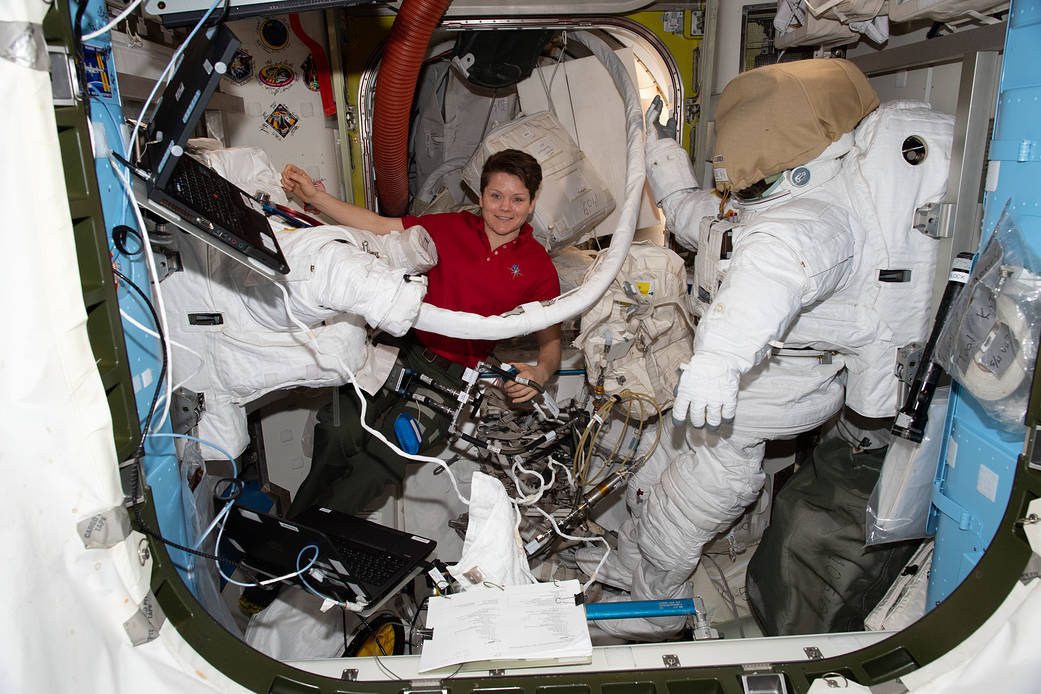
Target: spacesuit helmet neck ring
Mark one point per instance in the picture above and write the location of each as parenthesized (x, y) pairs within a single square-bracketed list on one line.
[(760, 191), (798, 180)]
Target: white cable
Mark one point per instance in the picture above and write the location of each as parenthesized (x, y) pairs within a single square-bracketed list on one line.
[(165, 75), (213, 523), (160, 306), (145, 329), (567, 471), (119, 18), (180, 384), (540, 315), (361, 397), (352, 606), (558, 531)]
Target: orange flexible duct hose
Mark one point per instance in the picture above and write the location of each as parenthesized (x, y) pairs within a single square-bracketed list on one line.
[(392, 103)]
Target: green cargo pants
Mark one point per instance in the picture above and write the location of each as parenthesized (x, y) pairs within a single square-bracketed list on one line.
[(349, 466)]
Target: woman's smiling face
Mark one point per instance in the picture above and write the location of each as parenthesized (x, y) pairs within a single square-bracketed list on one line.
[(506, 205)]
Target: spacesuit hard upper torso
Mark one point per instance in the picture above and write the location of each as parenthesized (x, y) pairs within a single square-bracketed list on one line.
[(859, 272)]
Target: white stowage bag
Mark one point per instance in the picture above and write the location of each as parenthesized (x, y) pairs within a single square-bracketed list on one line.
[(941, 10), (573, 197), (493, 554), (640, 331)]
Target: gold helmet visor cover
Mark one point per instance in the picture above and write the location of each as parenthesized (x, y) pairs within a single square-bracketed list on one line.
[(777, 117)]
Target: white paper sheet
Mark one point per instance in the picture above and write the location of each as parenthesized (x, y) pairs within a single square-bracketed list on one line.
[(523, 625)]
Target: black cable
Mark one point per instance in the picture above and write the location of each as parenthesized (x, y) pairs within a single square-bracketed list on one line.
[(120, 234), (140, 453), (379, 644), (412, 622)]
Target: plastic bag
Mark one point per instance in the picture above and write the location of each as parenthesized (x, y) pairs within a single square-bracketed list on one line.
[(898, 508), (989, 343)]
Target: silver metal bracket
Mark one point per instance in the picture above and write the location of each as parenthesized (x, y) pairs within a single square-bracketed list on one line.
[(672, 21), (186, 410), (65, 88), (908, 359), (126, 479), (691, 109), (764, 683), (934, 219), (426, 690)]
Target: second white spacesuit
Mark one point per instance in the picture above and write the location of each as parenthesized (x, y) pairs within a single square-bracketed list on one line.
[(253, 340), (826, 279)]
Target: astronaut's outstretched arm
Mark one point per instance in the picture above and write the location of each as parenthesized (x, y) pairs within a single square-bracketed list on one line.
[(671, 178), (764, 290)]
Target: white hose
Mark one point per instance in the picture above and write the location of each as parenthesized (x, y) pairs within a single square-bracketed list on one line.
[(536, 316)]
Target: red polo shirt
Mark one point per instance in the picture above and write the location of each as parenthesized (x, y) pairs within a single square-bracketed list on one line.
[(471, 277)]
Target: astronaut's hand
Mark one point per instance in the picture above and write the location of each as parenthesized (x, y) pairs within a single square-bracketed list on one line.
[(297, 183), (707, 391), (655, 130), (523, 390)]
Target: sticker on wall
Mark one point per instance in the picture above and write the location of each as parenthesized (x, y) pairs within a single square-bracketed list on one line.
[(241, 68), (95, 64), (310, 71), (276, 75), (274, 34), (280, 121)]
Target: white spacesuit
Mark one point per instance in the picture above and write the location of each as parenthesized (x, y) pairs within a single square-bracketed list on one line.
[(247, 335), (826, 279)]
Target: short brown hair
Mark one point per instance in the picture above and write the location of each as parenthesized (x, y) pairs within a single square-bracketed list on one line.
[(516, 163)]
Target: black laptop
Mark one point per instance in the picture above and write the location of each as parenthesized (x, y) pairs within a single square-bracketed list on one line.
[(358, 560), (184, 191)]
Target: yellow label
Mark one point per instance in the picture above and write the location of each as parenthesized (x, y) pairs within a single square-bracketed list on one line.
[(645, 287)]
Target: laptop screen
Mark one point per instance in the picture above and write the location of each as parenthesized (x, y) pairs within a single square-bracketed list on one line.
[(185, 98)]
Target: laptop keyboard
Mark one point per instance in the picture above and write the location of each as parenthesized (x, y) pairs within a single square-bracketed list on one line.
[(210, 194), (370, 566)]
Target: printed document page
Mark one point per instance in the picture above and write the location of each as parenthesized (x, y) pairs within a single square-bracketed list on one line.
[(527, 625)]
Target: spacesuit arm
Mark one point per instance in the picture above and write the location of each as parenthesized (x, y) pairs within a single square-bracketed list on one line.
[(671, 179), (764, 290), (331, 275)]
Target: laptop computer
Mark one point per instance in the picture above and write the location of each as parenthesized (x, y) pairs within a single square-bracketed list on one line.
[(358, 560), (184, 191)]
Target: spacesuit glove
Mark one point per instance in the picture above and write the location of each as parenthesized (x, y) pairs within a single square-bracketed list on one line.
[(707, 391), (655, 130)]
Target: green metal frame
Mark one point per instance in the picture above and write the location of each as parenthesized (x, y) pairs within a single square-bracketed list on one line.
[(933, 636), (104, 325)]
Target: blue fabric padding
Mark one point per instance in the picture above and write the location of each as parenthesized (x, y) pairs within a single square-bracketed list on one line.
[(406, 428)]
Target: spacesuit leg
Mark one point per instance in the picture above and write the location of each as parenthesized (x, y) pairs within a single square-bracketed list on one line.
[(698, 497), (704, 490)]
